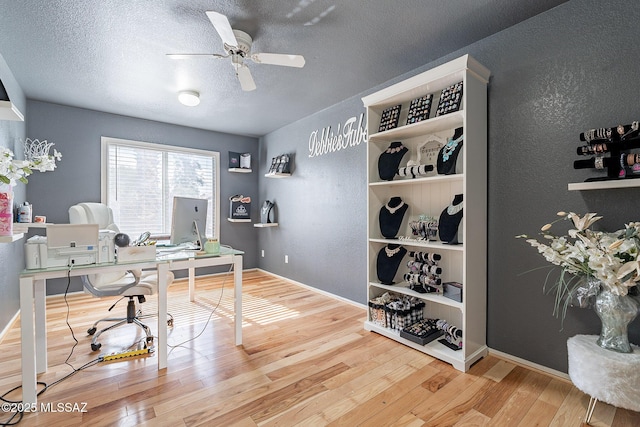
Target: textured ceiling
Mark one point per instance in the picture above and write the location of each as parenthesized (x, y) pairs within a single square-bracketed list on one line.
[(110, 55)]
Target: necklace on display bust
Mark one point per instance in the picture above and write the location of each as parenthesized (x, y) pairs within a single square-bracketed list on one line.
[(450, 147), (454, 209), (395, 149), (394, 209), (390, 159), (392, 252), (448, 155)]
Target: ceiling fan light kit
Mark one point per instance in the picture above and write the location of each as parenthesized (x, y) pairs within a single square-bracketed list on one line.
[(190, 98), (237, 45)]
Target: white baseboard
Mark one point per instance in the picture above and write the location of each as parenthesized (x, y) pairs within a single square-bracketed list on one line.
[(508, 357), (311, 288), (10, 323), (530, 365), (517, 360)]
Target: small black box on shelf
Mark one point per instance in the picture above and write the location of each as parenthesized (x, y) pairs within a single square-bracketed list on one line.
[(234, 160), (453, 290), (239, 207), (422, 332), (421, 339), (239, 160)]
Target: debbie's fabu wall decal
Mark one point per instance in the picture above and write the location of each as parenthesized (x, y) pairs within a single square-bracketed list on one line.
[(351, 134)]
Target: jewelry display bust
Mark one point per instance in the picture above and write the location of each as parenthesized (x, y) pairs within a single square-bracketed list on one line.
[(450, 219), (266, 212), (389, 259), (391, 216), (448, 156), (390, 159)]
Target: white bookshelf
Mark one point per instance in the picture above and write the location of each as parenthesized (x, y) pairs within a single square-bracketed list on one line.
[(465, 263)]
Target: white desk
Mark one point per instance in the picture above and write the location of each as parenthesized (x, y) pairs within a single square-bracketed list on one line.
[(33, 304)]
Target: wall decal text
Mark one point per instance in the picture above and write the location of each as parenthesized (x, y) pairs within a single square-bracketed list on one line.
[(346, 136)]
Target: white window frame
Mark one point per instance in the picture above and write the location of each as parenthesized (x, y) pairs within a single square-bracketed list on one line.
[(106, 141)]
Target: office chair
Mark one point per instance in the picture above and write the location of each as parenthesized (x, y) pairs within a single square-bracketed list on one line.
[(132, 284)]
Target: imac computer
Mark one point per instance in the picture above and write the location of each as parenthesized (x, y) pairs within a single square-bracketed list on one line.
[(188, 221)]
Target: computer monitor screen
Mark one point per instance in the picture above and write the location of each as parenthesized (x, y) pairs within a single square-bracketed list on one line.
[(188, 220)]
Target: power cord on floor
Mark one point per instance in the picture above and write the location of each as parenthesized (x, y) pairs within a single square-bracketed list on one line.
[(75, 341), (17, 408), (210, 314), (18, 405)]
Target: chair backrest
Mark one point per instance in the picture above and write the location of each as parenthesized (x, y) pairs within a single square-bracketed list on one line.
[(101, 214), (93, 213)]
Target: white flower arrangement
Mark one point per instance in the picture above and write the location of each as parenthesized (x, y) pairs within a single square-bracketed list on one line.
[(37, 157), (609, 259)]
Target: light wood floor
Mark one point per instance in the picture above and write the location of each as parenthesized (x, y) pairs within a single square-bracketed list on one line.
[(306, 360)]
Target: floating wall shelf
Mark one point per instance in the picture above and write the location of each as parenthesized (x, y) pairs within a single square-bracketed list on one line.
[(238, 220), (9, 239), (278, 175), (263, 225), (22, 226), (603, 185), (8, 111)]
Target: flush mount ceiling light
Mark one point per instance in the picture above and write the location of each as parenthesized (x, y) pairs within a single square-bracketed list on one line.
[(189, 98)]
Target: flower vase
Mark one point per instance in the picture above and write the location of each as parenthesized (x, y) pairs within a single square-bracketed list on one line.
[(615, 313), (6, 210)]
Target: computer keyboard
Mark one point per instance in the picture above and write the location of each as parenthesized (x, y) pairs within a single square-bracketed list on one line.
[(161, 248)]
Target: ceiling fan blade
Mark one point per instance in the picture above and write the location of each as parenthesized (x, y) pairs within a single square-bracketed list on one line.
[(222, 26), (279, 59), (246, 80), (195, 55)]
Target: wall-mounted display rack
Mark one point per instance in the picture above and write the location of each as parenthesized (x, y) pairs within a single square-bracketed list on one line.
[(280, 167), (610, 151)]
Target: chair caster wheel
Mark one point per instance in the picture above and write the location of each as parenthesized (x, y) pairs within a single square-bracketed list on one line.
[(170, 323), (91, 331), (149, 340), (95, 347)]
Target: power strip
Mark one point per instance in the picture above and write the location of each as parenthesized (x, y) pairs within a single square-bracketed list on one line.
[(124, 354)]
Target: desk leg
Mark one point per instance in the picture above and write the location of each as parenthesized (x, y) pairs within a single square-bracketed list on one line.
[(161, 346), (28, 342), (41, 325), (192, 284), (237, 297)]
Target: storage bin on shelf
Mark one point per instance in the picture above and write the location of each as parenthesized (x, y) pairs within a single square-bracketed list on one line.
[(395, 311)]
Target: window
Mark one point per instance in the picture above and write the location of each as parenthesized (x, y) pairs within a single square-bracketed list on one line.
[(139, 181)]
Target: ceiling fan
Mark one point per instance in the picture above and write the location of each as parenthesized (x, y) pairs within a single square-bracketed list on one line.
[(237, 45)]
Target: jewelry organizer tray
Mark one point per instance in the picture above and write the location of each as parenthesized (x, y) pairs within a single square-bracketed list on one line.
[(616, 143)]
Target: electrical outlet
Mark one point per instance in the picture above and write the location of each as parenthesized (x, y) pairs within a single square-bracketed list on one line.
[(286, 259), (263, 253)]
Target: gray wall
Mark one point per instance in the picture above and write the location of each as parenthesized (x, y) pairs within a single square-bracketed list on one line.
[(321, 207), (553, 76), (11, 254), (76, 133)]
